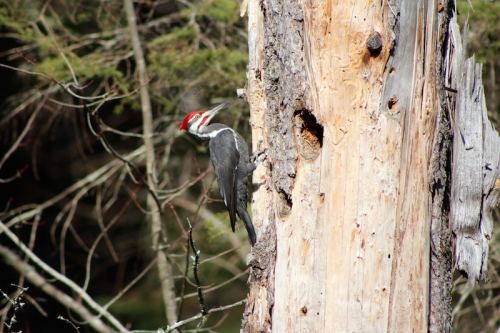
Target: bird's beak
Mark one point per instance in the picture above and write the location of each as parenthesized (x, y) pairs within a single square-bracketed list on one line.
[(212, 113)]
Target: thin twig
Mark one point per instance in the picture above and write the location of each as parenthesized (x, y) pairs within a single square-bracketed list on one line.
[(18, 174), (131, 284), (159, 234), (61, 278), (21, 136), (186, 267), (69, 322), (94, 126), (196, 258), (191, 319), (97, 177), (207, 215), (236, 277), (17, 303), (199, 315), (39, 281)]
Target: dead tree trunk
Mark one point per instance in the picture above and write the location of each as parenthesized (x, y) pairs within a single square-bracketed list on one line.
[(349, 97)]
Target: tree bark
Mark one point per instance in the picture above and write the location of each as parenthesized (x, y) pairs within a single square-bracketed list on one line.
[(349, 99)]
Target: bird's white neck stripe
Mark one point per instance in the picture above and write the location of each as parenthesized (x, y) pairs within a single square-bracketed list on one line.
[(213, 134)]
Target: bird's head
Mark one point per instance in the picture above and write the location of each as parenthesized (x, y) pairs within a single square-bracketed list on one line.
[(196, 121)]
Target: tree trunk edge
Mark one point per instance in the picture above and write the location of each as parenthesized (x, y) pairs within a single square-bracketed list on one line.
[(261, 281), (441, 259)]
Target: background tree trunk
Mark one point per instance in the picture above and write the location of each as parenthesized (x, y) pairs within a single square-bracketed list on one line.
[(349, 99)]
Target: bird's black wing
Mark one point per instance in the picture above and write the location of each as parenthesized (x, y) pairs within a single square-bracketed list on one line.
[(225, 157)]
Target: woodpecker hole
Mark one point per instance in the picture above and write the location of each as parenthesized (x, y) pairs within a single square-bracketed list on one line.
[(284, 205), (304, 309), (309, 134), (392, 105)]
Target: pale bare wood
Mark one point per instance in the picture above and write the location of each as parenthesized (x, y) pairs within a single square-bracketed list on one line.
[(260, 300), (351, 208), (345, 223)]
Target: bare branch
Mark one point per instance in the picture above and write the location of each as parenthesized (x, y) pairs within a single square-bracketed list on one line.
[(236, 277), (97, 240), (59, 277), (69, 322), (191, 319), (209, 216), (17, 303), (159, 235), (39, 281), (201, 298), (105, 143), (18, 174), (21, 136), (199, 316), (130, 285), (95, 178)]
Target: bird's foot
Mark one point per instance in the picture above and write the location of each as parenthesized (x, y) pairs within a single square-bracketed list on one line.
[(255, 156)]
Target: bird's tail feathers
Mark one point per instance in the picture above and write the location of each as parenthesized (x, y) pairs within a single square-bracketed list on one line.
[(247, 220)]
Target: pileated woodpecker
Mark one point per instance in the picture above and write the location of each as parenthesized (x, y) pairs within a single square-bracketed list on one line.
[(232, 164)]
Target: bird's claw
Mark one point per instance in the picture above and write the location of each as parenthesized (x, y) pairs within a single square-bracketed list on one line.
[(264, 153), (259, 144), (255, 157)]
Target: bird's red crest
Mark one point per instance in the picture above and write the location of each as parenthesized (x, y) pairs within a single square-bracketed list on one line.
[(188, 118)]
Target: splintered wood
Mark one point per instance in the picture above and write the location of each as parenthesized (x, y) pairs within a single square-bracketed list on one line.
[(476, 162)]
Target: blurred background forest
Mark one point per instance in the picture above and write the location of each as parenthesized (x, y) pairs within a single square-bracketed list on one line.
[(83, 211)]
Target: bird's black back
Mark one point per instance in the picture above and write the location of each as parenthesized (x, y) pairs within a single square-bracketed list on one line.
[(225, 157)]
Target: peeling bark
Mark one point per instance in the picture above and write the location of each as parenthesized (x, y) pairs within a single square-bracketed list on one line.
[(441, 261), (284, 81)]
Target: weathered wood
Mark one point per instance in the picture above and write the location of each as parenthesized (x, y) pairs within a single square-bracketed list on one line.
[(260, 300), (341, 218), (476, 161), (357, 174)]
